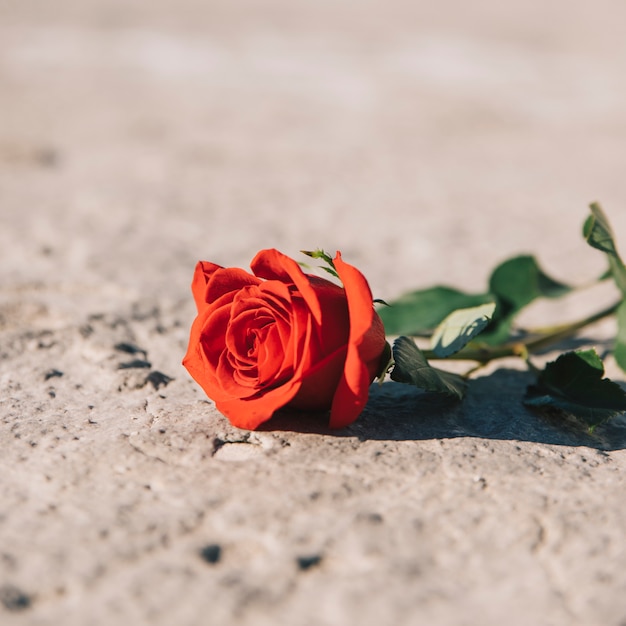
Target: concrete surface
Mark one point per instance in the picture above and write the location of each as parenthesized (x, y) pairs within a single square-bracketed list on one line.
[(427, 142)]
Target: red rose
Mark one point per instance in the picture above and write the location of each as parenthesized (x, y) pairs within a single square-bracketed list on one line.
[(283, 338)]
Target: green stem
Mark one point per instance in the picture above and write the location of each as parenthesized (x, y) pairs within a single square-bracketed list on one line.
[(522, 348)]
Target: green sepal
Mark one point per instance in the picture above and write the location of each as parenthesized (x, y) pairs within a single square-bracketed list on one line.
[(320, 254), (386, 361)]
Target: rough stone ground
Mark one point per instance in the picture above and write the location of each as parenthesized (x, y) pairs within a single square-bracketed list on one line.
[(427, 141)]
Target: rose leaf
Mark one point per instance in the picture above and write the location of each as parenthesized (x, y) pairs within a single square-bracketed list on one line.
[(411, 367), (574, 384), (419, 312), (460, 327), (599, 234), (619, 351), (515, 283)]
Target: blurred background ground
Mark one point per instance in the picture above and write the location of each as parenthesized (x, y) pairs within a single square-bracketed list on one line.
[(425, 141)]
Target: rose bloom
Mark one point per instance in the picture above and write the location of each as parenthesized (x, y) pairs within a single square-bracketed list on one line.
[(282, 338)]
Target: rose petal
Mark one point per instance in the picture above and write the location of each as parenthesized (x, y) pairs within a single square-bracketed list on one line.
[(196, 361), (226, 280), (334, 330), (271, 369), (274, 265), (320, 383), (233, 382), (201, 276), (255, 311), (249, 413), (241, 329), (365, 346), (213, 342)]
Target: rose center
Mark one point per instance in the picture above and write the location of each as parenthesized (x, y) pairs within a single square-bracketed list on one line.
[(254, 340)]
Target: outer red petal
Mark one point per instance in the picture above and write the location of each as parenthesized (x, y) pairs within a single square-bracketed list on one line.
[(195, 360), (201, 276), (211, 281), (274, 265), (320, 383), (226, 280), (365, 347)]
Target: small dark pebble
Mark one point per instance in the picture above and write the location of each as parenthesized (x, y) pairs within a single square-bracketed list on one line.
[(86, 330), (136, 364), (130, 348), (371, 518), (158, 379), (307, 562), (13, 599), (211, 553), (52, 374)]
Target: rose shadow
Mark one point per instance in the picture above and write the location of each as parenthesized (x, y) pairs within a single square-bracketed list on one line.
[(492, 409)]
